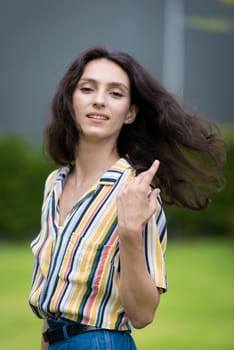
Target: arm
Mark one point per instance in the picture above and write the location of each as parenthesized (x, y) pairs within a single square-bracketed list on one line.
[(138, 292), (44, 345)]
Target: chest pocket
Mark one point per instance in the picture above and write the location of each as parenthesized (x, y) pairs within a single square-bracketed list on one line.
[(86, 261)]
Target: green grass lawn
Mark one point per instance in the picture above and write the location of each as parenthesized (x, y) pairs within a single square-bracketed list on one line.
[(196, 313)]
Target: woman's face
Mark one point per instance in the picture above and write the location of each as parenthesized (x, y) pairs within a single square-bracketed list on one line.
[(101, 101)]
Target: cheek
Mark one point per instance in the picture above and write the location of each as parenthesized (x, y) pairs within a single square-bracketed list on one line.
[(76, 103), (74, 99), (76, 110), (122, 108), (125, 112)]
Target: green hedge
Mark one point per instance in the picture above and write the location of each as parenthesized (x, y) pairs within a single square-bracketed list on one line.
[(23, 173)]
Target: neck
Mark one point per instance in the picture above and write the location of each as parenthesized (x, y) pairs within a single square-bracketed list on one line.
[(93, 160)]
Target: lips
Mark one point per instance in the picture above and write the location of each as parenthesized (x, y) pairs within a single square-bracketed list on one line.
[(97, 116)]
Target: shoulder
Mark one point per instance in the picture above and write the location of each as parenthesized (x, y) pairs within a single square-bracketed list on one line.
[(51, 177), (161, 222), (49, 182), (119, 172), (56, 175), (126, 168)]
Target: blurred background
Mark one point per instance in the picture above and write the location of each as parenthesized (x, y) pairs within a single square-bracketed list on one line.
[(189, 46)]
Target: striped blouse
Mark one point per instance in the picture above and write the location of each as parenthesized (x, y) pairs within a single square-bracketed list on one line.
[(77, 266)]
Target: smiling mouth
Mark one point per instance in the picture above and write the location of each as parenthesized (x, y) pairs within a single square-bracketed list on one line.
[(97, 116)]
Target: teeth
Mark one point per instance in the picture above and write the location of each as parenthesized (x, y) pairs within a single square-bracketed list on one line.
[(97, 117)]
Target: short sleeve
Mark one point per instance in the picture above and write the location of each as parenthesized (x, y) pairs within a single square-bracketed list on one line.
[(155, 242)]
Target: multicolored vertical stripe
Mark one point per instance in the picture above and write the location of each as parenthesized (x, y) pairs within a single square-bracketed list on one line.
[(76, 270)]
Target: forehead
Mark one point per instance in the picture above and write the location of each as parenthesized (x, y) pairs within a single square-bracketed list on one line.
[(106, 71)]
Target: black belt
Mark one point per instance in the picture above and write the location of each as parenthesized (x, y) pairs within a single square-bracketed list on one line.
[(57, 334)]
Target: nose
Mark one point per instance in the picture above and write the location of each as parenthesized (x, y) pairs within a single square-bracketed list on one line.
[(99, 98)]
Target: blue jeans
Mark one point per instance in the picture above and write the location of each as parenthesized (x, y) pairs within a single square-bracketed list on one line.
[(96, 340)]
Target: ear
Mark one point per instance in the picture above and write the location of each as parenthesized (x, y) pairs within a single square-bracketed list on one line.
[(131, 116)]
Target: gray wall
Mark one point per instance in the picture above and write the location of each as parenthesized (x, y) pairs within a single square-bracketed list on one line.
[(40, 38), (209, 58)]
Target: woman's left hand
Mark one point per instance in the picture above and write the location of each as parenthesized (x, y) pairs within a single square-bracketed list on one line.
[(135, 206)]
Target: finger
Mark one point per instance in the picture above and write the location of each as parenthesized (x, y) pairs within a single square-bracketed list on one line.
[(148, 175), (153, 198), (154, 194)]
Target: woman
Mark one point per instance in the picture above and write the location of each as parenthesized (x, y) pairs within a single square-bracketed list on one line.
[(118, 136)]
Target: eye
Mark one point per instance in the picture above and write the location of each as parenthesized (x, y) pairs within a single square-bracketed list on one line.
[(116, 94), (85, 89)]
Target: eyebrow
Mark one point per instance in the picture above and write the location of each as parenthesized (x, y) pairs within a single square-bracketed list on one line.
[(112, 83)]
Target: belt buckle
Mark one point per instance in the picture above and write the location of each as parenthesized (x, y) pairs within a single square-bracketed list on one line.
[(45, 335)]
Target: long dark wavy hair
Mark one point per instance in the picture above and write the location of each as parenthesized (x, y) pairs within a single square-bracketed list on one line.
[(189, 146)]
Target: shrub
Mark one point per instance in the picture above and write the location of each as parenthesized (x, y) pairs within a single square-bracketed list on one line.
[(23, 173)]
